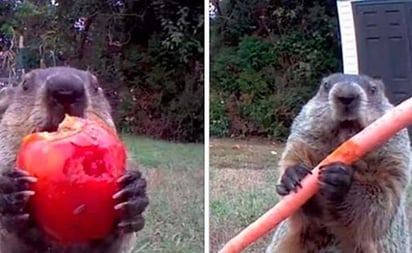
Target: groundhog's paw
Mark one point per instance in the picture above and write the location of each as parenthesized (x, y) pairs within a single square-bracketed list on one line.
[(14, 195), (135, 201), (335, 180), (291, 179)]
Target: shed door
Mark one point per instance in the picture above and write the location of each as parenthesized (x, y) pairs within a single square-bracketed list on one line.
[(384, 47)]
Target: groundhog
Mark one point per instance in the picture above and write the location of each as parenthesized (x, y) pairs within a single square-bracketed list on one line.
[(39, 103), (360, 208)]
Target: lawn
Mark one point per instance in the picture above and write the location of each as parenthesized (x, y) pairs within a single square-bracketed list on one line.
[(175, 216), (242, 187)]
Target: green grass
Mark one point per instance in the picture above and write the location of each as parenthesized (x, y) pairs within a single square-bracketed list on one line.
[(242, 187), (165, 155), (243, 176), (174, 218)]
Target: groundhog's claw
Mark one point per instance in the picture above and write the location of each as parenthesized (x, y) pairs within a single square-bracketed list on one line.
[(133, 226), (335, 180), (135, 201), (14, 195), (291, 179)]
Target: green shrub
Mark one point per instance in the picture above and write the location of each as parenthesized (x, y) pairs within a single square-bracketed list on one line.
[(266, 83), (161, 98), (147, 55), (219, 122), (267, 59)]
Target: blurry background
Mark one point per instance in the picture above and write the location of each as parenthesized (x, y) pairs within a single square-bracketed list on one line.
[(267, 57), (150, 50), (266, 60), (148, 56)]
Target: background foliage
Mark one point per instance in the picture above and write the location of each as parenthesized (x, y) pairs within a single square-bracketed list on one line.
[(267, 57), (147, 54)]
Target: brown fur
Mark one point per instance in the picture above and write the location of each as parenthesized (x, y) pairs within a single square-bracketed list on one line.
[(6, 94), (28, 112)]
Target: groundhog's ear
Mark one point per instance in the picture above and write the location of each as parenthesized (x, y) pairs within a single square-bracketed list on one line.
[(379, 83), (323, 80), (29, 75), (325, 83)]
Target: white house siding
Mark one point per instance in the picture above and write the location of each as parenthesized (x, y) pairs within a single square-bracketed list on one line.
[(348, 37)]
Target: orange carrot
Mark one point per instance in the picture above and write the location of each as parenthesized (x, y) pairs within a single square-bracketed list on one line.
[(365, 141)]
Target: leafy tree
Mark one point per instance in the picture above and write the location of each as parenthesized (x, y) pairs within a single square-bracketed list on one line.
[(267, 57), (148, 55)]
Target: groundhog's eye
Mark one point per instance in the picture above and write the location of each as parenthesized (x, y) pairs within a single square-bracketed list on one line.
[(373, 90), (25, 85), (97, 88), (326, 85)]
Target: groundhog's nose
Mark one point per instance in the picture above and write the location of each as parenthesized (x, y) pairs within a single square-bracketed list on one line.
[(65, 90), (348, 99)]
